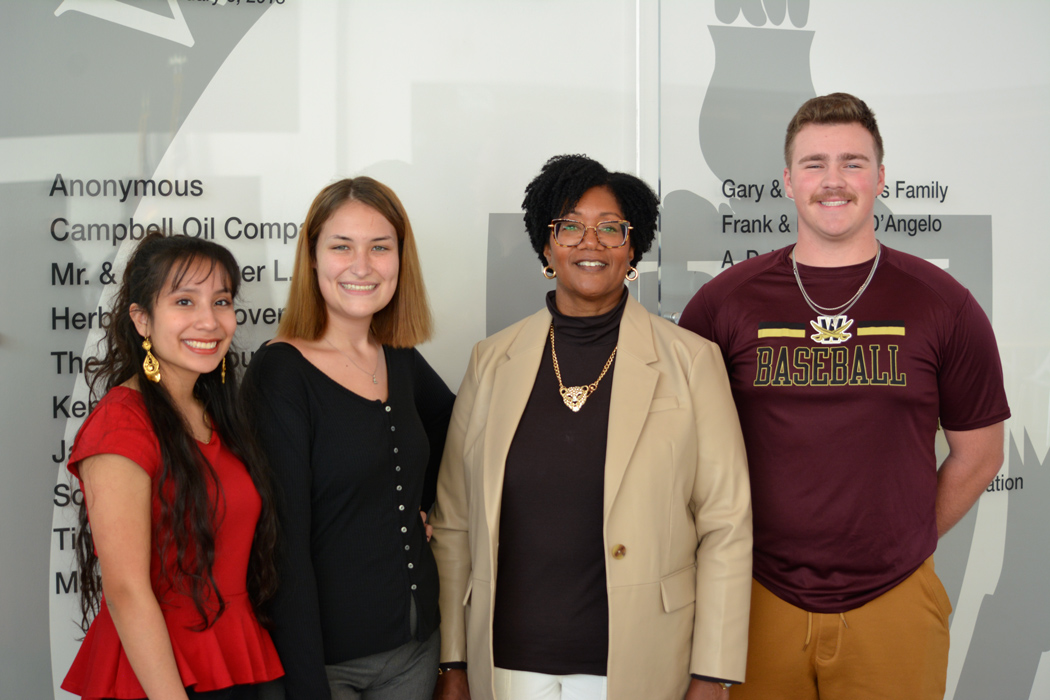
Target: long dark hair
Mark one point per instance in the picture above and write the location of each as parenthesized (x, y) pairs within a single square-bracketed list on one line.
[(187, 513)]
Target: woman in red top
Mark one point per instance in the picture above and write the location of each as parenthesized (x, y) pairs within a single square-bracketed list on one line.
[(182, 528)]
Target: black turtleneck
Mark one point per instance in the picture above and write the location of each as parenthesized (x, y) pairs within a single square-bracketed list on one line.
[(552, 606)]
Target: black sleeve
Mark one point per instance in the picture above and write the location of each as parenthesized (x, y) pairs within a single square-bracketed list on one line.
[(279, 403), (713, 680), (434, 402)]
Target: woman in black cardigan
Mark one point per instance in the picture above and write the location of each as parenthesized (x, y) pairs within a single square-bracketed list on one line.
[(353, 421)]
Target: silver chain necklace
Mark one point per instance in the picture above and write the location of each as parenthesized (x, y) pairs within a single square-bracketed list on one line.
[(375, 379), (832, 324)]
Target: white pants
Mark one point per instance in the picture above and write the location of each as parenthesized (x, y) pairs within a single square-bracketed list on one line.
[(525, 685)]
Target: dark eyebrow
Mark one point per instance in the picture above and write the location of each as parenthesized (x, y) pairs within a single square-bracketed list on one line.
[(615, 214), (853, 156), (192, 287)]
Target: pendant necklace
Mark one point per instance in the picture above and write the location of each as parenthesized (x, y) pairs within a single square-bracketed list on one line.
[(375, 379), (832, 324), (575, 396)]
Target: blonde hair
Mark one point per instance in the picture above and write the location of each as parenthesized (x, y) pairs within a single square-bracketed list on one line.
[(404, 322)]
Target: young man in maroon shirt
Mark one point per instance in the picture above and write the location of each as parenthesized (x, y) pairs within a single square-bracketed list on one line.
[(845, 358)]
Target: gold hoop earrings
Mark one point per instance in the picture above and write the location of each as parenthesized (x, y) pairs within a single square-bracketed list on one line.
[(631, 275), (549, 272), (223, 375), (150, 365)]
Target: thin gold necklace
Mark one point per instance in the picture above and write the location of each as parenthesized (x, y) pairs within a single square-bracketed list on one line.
[(375, 379), (575, 396)]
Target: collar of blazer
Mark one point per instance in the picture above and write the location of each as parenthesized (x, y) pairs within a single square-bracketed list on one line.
[(633, 384)]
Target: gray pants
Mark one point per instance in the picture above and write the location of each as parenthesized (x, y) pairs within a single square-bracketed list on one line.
[(408, 672)]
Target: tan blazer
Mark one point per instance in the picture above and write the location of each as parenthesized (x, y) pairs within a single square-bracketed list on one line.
[(677, 511)]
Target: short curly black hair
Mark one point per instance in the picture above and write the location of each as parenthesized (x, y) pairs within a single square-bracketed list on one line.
[(564, 179)]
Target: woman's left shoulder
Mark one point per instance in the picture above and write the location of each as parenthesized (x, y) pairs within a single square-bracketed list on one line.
[(409, 361), (415, 372), (680, 351), (403, 357)]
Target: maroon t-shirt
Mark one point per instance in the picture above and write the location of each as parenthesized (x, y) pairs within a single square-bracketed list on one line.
[(839, 418)]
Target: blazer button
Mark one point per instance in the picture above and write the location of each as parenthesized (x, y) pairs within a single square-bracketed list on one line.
[(619, 551)]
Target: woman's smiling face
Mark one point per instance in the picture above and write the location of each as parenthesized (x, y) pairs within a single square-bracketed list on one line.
[(192, 322), (590, 276), (357, 262)]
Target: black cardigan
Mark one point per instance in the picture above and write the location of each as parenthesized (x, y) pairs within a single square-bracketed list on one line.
[(351, 476)]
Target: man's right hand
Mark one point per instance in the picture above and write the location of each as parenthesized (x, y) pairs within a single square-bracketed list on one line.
[(452, 685)]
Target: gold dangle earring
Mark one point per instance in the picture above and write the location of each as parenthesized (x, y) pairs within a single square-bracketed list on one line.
[(549, 272), (150, 365), (223, 375), (631, 275)]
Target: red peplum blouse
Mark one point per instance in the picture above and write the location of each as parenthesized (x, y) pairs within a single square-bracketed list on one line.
[(235, 650)]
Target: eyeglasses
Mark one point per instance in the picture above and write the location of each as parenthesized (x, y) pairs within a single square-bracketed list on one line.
[(569, 233)]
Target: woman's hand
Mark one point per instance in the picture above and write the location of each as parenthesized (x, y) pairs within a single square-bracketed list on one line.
[(452, 685), (429, 529), (705, 690), (118, 494)]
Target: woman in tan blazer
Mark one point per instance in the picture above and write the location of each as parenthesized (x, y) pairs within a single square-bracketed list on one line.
[(595, 469)]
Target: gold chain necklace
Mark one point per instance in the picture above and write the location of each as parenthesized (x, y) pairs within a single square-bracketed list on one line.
[(375, 379), (575, 396)]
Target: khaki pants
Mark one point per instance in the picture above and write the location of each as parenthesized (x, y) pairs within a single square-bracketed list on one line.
[(892, 648)]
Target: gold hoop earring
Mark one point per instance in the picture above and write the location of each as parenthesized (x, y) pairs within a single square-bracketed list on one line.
[(549, 272), (150, 365), (223, 375), (631, 275)]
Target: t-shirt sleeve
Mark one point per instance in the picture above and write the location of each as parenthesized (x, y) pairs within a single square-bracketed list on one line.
[(434, 401), (117, 428), (970, 381), (697, 317)]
